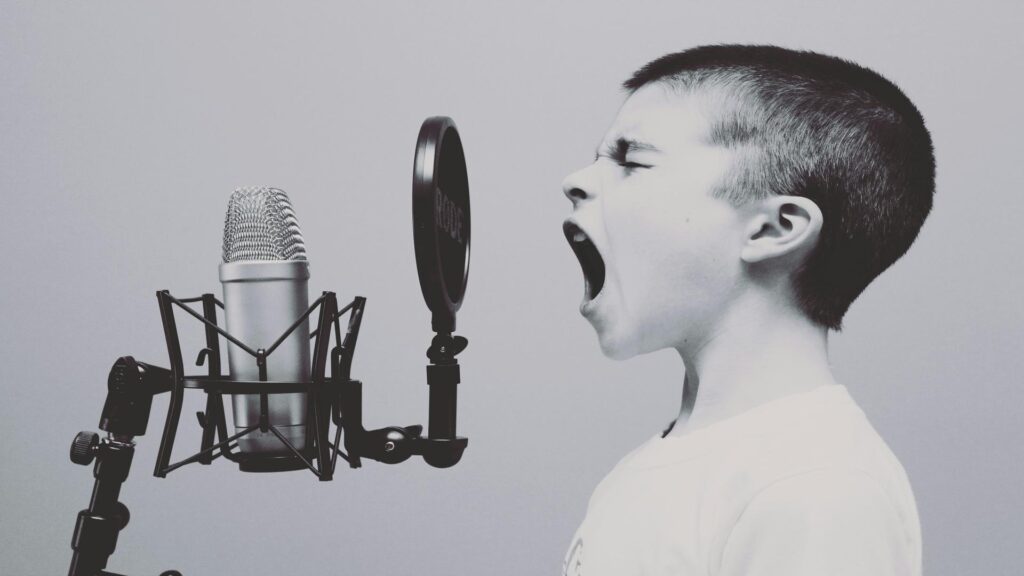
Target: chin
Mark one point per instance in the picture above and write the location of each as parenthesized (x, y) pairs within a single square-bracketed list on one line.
[(624, 344), (618, 346)]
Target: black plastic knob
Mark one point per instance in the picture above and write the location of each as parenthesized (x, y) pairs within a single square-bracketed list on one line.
[(121, 515), (83, 449)]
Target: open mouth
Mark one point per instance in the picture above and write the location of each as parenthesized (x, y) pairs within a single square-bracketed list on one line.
[(590, 259)]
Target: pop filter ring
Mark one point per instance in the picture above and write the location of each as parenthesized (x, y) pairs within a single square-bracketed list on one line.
[(441, 219)]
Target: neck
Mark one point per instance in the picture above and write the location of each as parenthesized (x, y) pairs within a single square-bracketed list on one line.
[(754, 357)]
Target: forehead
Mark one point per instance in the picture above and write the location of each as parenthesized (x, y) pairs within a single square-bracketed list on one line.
[(659, 115)]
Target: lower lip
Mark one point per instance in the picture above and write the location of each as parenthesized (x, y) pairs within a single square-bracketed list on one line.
[(588, 307)]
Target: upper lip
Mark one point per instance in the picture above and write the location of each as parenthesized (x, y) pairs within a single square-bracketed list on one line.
[(588, 255)]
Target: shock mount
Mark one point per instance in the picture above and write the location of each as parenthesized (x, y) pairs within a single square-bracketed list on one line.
[(335, 398)]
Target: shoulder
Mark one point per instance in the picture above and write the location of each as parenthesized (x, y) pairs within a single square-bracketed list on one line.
[(826, 498), (827, 520), (826, 430), (815, 476)]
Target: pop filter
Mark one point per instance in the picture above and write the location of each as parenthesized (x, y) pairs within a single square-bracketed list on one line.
[(441, 224)]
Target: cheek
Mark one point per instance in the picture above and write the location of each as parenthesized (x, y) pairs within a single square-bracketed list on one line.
[(679, 254), (637, 242)]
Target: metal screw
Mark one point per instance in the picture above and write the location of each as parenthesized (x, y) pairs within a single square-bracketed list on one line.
[(389, 446)]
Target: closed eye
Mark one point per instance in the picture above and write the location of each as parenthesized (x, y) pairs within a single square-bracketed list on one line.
[(630, 166), (619, 149), (621, 161)]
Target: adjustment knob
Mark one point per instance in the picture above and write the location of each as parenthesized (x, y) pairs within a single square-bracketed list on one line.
[(83, 449), (121, 515)]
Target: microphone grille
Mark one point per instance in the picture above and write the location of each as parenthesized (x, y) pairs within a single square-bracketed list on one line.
[(261, 225)]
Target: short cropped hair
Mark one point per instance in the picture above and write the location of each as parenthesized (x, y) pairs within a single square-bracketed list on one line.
[(817, 126)]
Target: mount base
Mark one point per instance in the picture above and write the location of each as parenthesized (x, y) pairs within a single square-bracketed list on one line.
[(269, 463)]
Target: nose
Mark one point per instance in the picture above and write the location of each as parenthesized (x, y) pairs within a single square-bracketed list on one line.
[(578, 186)]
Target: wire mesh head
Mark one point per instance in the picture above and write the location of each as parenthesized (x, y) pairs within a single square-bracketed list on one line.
[(261, 225)]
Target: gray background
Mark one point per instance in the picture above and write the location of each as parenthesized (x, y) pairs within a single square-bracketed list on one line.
[(124, 128)]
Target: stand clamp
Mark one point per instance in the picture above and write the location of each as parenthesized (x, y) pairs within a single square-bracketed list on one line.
[(394, 444), (130, 390)]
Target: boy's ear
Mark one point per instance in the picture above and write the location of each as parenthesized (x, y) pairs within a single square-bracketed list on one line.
[(781, 226)]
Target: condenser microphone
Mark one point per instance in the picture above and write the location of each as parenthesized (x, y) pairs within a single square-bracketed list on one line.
[(265, 277)]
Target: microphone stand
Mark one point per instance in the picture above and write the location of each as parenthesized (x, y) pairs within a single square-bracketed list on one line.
[(131, 386), (130, 390)]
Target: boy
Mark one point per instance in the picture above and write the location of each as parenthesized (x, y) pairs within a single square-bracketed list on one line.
[(742, 199)]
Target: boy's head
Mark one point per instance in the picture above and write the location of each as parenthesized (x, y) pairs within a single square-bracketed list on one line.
[(738, 168)]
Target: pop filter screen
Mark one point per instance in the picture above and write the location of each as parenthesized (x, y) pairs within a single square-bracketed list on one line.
[(441, 223)]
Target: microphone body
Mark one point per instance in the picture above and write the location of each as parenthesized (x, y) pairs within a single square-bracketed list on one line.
[(265, 277), (261, 300)]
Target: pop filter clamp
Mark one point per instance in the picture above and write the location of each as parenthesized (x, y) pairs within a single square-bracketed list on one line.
[(441, 224)]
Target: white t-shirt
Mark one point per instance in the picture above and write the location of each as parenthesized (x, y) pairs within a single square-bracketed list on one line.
[(799, 486)]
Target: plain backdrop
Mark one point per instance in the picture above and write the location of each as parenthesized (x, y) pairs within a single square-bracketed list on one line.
[(124, 127)]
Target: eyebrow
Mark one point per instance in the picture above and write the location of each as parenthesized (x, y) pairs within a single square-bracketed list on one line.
[(623, 146)]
